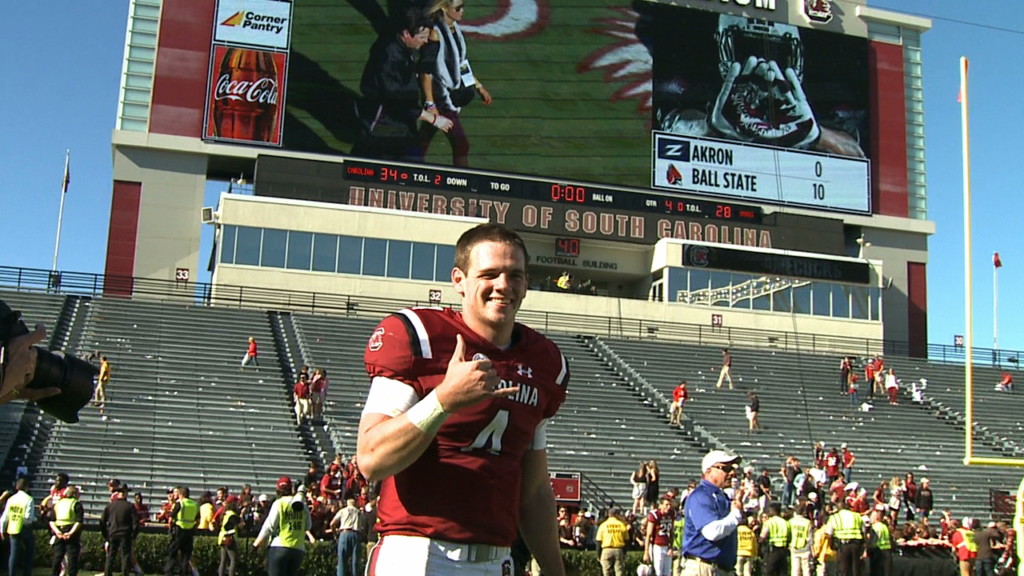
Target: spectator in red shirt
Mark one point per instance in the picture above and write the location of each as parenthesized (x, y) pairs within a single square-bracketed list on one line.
[(300, 394), (869, 377), (318, 394), (878, 385), (848, 460), (962, 538), (251, 354), (679, 397), (1005, 383), (330, 484), (832, 465)]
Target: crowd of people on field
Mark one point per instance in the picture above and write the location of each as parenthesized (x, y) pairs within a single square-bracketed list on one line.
[(797, 509)]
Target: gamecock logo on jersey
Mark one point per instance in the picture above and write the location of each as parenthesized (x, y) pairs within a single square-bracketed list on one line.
[(818, 10), (376, 340)]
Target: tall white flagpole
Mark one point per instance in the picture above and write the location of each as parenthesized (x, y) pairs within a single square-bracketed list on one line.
[(968, 293), (60, 214)]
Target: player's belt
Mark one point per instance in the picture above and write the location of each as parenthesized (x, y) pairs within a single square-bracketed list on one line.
[(459, 552)]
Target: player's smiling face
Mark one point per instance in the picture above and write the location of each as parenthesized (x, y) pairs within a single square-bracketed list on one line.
[(492, 289)]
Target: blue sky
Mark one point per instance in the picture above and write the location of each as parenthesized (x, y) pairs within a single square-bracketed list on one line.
[(60, 91)]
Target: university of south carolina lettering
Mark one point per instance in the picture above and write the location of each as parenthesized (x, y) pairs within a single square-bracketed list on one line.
[(560, 219)]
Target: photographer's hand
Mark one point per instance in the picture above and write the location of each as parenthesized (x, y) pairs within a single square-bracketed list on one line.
[(20, 366)]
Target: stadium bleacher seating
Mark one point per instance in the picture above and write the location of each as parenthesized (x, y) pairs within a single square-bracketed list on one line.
[(801, 404), (180, 410)]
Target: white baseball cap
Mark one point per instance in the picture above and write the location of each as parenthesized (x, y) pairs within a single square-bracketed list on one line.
[(718, 457)]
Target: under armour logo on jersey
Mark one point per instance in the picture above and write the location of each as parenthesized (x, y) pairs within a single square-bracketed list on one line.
[(524, 371), (480, 356)]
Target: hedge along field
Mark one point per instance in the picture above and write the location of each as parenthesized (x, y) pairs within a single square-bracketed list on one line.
[(321, 558)]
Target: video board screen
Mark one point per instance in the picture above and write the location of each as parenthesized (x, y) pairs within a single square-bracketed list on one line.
[(756, 109), (577, 90)]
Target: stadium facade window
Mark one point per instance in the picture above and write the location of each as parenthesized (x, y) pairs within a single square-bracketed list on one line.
[(721, 289), (859, 302), (781, 295), (399, 259), (802, 298), (375, 256), (444, 261), (275, 247), (821, 300), (350, 255), (761, 301), (300, 250), (700, 287), (247, 246), (840, 301), (227, 244), (325, 253), (740, 291), (423, 264)]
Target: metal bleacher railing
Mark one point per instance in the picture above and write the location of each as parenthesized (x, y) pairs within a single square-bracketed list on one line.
[(197, 293)]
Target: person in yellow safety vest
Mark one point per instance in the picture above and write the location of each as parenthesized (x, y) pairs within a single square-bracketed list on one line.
[(847, 528), (966, 548), (775, 535), (612, 538), (824, 554), (16, 525), (66, 526), (746, 548), (182, 523), (800, 542), (880, 550), (287, 525), (227, 539)]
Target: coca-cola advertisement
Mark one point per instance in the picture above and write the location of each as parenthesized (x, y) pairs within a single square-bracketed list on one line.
[(245, 102)]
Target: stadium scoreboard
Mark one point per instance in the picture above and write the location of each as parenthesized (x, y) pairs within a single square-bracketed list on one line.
[(546, 190)]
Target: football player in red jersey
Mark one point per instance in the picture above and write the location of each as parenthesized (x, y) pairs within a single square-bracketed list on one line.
[(454, 423)]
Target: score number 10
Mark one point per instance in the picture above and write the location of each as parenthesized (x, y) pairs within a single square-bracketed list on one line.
[(817, 187)]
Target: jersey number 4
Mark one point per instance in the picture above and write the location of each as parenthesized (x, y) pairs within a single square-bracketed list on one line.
[(490, 437)]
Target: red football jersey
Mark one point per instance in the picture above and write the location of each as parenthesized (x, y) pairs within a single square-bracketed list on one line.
[(663, 526), (465, 486)]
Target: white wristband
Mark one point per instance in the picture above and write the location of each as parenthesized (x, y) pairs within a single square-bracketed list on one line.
[(427, 414)]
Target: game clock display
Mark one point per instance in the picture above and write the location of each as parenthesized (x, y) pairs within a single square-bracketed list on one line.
[(504, 186)]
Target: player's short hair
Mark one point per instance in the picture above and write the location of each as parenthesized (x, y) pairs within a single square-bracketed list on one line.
[(486, 233)]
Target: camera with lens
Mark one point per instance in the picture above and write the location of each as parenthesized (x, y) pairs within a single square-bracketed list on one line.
[(73, 376)]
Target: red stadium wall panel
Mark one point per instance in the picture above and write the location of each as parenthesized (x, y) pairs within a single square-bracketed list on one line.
[(182, 67), (122, 236), (889, 130), (917, 309)]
